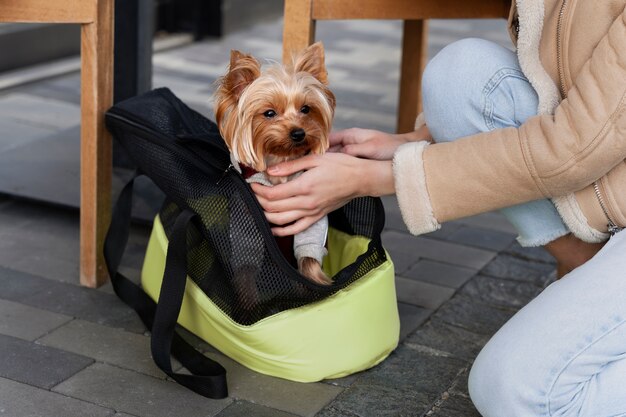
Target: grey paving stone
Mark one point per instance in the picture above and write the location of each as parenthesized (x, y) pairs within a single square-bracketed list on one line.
[(472, 316), (393, 218), (26, 322), (365, 100), (192, 91), (500, 292), (105, 344), (445, 231), (456, 400), (344, 382), (53, 175), (460, 385), (46, 257), (137, 243), (455, 406), (411, 317), (401, 261), (447, 339), (39, 111), (492, 221), (69, 83), (437, 250), (509, 267), (377, 401), (87, 304), (536, 254), (333, 412), (21, 400), (195, 341), (303, 399), (17, 285), (439, 273), (37, 365), (41, 240), (412, 371), (247, 409), (71, 300), (137, 394), (132, 274), (421, 294), (20, 212), (482, 238), (45, 90), (15, 134)]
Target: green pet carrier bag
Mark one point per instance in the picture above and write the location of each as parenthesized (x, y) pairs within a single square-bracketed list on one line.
[(216, 269)]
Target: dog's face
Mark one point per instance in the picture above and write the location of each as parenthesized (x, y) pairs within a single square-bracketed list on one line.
[(282, 113)]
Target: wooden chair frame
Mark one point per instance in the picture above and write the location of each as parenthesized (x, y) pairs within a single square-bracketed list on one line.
[(301, 15), (96, 20)]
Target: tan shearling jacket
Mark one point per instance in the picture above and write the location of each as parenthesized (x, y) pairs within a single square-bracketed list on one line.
[(574, 54)]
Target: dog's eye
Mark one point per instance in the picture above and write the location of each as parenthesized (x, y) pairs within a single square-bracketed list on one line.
[(305, 109), (269, 114)]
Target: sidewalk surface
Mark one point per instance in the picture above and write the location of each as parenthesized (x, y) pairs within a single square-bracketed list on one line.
[(72, 351)]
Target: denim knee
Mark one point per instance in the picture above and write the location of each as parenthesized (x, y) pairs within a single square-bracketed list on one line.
[(472, 86), (496, 384)]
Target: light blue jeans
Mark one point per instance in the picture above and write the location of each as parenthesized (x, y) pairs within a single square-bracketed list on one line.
[(563, 354), (474, 86)]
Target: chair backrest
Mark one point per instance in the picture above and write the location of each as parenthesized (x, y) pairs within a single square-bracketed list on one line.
[(48, 11)]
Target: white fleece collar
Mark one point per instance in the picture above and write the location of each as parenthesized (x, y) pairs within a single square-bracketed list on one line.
[(531, 17)]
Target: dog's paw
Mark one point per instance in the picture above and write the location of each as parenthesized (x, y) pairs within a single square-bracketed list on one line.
[(311, 269)]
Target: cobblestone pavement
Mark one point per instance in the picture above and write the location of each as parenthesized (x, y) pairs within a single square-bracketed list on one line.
[(72, 351)]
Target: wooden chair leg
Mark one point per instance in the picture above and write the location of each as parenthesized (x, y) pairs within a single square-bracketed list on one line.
[(95, 171), (299, 26), (414, 58)]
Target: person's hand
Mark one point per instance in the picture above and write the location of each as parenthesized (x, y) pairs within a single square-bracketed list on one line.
[(373, 144), (329, 182)]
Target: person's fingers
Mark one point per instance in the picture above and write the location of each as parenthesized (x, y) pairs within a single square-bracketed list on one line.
[(287, 217), (291, 167), (278, 192), (360, 149), (336, 138), (336, 148), (297, 227), (288, 204), (352, 135)]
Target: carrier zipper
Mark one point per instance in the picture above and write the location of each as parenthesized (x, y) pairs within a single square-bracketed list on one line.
[(559, 50), (611, 226)]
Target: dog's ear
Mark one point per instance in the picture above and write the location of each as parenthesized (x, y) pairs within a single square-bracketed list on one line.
[(311, 60), (243, 70)]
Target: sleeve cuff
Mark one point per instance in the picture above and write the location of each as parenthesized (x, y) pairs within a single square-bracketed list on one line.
[(575, 220), (410, 183)]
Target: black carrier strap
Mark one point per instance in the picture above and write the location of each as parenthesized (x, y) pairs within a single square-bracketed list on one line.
[(209, 377)]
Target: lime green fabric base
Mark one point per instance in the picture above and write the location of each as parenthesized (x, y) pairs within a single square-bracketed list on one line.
[(350, 331)]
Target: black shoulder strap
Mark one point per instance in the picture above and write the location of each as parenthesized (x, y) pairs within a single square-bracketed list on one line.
[(209, 377)]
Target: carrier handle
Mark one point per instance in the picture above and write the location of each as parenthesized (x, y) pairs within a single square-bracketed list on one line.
[(209, 377)]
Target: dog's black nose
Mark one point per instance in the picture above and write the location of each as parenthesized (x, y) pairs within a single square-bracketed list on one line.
[(297, 135)]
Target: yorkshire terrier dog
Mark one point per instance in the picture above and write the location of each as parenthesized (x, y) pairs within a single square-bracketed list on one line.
[(277, 115)]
